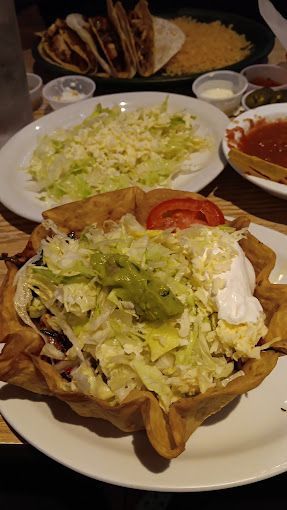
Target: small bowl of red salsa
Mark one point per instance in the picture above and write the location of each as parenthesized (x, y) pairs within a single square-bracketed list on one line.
[(260, 133), (265, 75), (266, 139)]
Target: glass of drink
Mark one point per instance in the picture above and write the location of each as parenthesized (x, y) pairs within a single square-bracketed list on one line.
[(15, 105)]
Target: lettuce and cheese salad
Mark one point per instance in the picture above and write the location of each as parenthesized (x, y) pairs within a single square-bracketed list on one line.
[(113, 149), (128, 308)]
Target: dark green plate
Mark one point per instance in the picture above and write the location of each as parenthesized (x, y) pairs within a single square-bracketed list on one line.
[(258, 34)]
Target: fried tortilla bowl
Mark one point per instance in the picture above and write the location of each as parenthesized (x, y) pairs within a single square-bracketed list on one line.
[(21, 364)]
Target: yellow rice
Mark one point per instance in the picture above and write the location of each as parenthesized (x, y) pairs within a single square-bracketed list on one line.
[(207, 46)]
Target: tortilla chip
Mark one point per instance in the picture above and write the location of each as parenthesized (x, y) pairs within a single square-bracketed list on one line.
[(252, 165), (20, 363)]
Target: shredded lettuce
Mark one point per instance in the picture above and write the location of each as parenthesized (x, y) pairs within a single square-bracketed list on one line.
[(113, 149), (79, 290)]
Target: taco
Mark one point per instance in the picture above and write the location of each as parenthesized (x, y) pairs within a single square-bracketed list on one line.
[(141, 24), (111, 46), (119, 321), (106, 41), (62, 46), (155, 40), (118, 18), (168, 40), (123, 21), (82, 27)]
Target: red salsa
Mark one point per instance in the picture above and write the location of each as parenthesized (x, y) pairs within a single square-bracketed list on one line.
[(266, 140), (264, 82)]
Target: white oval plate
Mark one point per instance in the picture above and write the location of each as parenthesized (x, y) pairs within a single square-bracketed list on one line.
[(270, 112), (244, 443), (15, 183)]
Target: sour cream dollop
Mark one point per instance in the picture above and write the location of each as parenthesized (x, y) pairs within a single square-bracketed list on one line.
[(217, 93), (235, 301), (69, 94)]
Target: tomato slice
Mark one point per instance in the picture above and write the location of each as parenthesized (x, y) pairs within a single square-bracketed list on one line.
[(183, 212)]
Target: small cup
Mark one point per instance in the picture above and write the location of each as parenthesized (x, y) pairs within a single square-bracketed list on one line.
[(243, 99), (265, 74), (68, 90), (35, 85), (223, 89)]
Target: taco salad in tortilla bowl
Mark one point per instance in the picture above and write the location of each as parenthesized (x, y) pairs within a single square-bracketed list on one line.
[(147, 310)]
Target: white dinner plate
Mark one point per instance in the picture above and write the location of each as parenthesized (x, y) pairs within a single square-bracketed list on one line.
[(269, 112), (15, 183), (244, 443)]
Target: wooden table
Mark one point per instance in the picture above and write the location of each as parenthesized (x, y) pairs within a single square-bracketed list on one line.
[(233, 193)]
